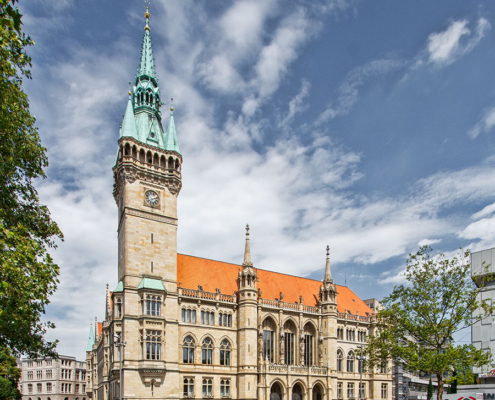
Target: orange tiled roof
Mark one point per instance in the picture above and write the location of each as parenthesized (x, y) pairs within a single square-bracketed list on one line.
[(193, 271)]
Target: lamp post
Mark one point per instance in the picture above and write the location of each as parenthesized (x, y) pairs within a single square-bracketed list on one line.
[(360, 366), (120, 344)]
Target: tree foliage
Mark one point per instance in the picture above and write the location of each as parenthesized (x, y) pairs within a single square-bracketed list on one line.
[(9, 376), (28, 275), (421, 317)]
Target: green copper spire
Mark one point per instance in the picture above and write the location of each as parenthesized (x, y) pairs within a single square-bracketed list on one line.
[(142, 118), (91, 340), (128, 128), (147, 67), (171, 142)]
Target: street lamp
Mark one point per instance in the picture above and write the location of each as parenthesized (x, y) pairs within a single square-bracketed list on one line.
[(361, 360), (120, 344)]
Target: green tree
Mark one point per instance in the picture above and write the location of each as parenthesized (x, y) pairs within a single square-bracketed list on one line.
[(429, 394), (28, 275), (9, 376), (420, 318)]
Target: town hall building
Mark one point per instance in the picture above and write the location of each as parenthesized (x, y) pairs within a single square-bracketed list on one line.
[(184, 327)]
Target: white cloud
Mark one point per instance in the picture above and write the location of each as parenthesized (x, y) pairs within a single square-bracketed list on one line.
[(445, 47), (484, 125), (296, 105), (428, 242)]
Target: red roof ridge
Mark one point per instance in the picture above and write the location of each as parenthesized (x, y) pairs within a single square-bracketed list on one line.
[(261, 269)]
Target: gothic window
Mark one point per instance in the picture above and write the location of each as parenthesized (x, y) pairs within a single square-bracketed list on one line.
[(340, 333), (350, 390), (153, 305), (207, 387), (384, 390), (289, 342), (340, 395), (225, 387), (153, 345), (383, 368), (340, 357), (309, 335), (207, 352), (76, 388), (224, 319), (350, 362), (268, 341), (188, 387), (49, 387), (39, 387), (119, 308), (362, 390), (30, 388), (225, 352), (188, 350), (39, 374), (188, 315), (207, 318)]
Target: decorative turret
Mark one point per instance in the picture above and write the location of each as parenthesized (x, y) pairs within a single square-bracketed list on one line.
[(247, 276), (328, 291), (91, 340)]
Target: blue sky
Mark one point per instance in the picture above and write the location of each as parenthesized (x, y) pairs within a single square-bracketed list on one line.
[(365, 125)]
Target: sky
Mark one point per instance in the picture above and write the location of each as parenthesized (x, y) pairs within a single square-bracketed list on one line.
[(365, 125)]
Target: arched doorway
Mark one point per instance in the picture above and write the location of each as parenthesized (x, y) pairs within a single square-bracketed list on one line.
[(297, 392), (317, 392), (276, 392)]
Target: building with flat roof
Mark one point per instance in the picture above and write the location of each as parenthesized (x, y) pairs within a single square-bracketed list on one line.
[(53, 379)]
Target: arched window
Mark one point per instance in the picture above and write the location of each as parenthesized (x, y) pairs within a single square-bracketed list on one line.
[(188, 350), (289, 342), (134, 151), (309, 334), (225, 352), (149, 157), (188, 387), (142, 156), (350, 362), (268, 340), (207, 352), (163, 162), (340, 357), (170, 162)]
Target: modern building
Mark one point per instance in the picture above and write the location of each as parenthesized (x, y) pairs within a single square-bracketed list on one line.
[(483, 332), (50, 379), (181, 327)]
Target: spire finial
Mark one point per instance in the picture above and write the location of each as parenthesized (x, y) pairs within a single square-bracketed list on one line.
[(129, 92), (172, 104), (147, 15), (328, 274), (247, 251)]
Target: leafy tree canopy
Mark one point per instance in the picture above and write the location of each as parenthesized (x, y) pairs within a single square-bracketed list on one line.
[(28, 275), (421, 317), (9, 376)]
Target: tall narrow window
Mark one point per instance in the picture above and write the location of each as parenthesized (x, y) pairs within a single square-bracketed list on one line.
[(151, 238), (188, 387), (308, 349), (362, 390), (153, 345), (153, 305), (119, 308), (350, 390), (350, 362), (225, 352), (207, 352), (289, 348), (207, 387), (268, 345), (151, 266), (188, 350), (225, 387), (340, 357), (384, 390), (340, 395)]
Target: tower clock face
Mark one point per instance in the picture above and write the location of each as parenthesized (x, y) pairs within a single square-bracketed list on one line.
[(152, 198)]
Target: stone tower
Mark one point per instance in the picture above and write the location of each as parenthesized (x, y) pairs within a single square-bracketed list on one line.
[(147, 181), (328, 301), (247, 322)]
